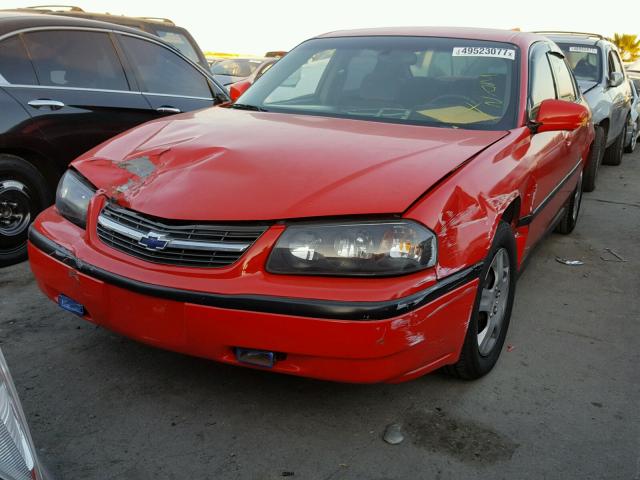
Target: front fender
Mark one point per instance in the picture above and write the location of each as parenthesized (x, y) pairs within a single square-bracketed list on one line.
[(464, 210)]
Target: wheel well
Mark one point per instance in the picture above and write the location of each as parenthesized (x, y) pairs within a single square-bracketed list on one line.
[(604, 124), (49, 169), (512, 212)]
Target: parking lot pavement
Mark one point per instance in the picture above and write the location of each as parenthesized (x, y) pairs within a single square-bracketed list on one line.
[(561, 403)]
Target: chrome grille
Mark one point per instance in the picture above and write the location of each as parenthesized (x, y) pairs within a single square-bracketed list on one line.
[(172, 242)]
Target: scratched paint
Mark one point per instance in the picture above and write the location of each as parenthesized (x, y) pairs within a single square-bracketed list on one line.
[(140, 166)]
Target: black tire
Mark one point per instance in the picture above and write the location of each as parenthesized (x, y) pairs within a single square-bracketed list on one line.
[(23, 194), (572, 210), (613, 154), (594, 160), (472, 363), (634, 139)]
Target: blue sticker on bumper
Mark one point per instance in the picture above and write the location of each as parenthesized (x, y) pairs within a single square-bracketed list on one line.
[(70, 305)]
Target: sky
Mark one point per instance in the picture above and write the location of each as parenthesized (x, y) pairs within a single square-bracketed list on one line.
[(255, 27)]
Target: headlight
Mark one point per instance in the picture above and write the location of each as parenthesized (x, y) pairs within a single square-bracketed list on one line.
[(354, 249), (73, 197), (18, 459)]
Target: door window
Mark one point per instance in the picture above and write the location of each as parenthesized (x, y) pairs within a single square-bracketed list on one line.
[(15, 66), (564, 83), (541, 86), (164, 72), (179, 41), (78, 59), (617, 64)]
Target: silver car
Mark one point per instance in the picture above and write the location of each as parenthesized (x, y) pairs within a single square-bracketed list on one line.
[(603, 81), (633, 128)]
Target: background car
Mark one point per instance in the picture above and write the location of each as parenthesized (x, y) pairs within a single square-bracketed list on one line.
[(598, 69), (66, 85), (633, 129), (633, 71), (236, 69), (176, 36), (18, 457), (236, 89), (275, 54), (360, 214), (212, 61)]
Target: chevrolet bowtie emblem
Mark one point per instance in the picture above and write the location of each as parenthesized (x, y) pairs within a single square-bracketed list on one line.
[(154, 241)]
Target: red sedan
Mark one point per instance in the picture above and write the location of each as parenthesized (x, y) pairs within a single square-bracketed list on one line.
[(360, 214)]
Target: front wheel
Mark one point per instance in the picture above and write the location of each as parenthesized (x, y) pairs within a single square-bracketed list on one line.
[(613, 154), (23, 194), (634, 138), (594, 160), (491, 313)]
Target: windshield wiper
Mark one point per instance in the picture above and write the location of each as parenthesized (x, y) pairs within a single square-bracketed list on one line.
[(244, 106)]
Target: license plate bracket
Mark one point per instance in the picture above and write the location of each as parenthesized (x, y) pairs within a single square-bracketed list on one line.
[(258, 358)]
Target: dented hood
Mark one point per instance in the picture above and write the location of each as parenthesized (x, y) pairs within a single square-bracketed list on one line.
[(225, 164)]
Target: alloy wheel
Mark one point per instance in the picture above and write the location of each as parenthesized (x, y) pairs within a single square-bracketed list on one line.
[(493, 302), (15, 208)]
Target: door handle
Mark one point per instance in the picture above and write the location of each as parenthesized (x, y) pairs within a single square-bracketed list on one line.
[(168, 109), (46, 103)]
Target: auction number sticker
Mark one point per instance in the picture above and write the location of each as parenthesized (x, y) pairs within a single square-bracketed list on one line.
[(583, 50), (508, 53)]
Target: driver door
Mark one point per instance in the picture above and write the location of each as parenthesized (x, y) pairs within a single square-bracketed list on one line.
[(552, 155)]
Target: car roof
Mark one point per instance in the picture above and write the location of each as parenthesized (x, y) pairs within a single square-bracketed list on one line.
[(577, 39), (521, 39), (11, 21)]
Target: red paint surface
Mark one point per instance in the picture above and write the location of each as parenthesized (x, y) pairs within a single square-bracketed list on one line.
[(350, 351), (226, 164), (230, 165)]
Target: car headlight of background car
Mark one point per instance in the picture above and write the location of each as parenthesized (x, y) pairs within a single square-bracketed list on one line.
[(354, 249), (73, 197), (17, 454)]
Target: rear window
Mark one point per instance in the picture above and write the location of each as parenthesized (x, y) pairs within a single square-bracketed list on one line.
[(15, 66), (76, 59), (180, 42), (585, 61)]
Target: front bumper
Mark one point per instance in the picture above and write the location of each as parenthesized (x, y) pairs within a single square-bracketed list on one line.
[(381, 341)]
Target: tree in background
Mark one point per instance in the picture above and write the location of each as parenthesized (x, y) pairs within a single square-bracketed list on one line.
[(629, 46)]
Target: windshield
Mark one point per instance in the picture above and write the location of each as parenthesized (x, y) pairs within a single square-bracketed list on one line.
[(634, 67), (236, 67), (180, 42), (584, 61), (416, 80)]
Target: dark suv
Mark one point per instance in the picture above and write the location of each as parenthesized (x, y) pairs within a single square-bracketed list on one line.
[(598, 69), (164, 28), (66, 85)]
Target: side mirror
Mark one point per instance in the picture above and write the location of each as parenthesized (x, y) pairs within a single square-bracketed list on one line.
[(616, 79), (556, 115), (238, 88)]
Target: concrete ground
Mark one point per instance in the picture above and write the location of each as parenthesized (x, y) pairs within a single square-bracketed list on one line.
[(562, 403)]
